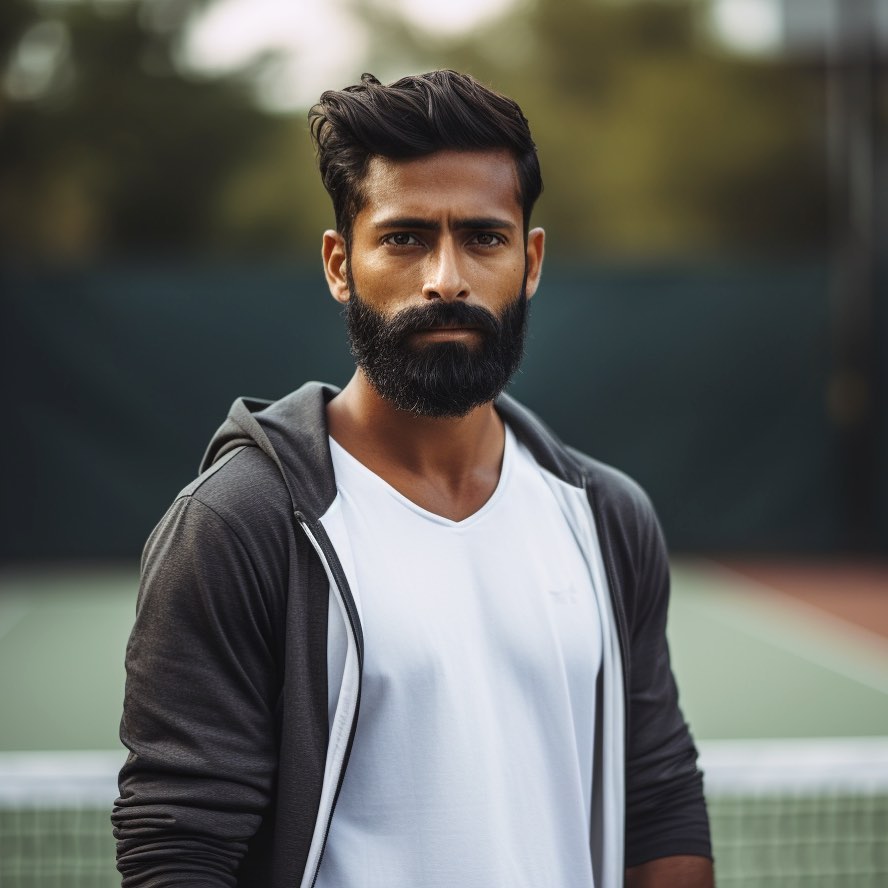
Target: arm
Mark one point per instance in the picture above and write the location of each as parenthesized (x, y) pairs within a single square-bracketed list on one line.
[(198, 708), (672, 872), (667, 832)]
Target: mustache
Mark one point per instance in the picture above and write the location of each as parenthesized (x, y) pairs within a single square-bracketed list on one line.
[(417, 318)]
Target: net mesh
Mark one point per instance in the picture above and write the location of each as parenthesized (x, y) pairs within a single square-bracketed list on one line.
[(810, 841), (794, 813), (54, 826), (57, 848), (784, 815)]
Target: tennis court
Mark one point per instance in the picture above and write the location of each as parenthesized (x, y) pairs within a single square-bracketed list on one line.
[(759, 670)]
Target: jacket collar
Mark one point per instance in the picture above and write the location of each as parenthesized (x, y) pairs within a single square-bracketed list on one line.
[(293, 433)]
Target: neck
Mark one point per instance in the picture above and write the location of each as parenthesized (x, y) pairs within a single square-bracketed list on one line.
[(450, 466), (365, 423)]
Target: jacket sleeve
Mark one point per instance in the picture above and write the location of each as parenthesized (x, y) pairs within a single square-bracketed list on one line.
[(665, 808), (198, 708)]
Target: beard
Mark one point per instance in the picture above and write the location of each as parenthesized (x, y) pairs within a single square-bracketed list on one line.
[(437, 379)]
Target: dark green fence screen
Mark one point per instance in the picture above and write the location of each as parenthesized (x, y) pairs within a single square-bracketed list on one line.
[(706, 384)]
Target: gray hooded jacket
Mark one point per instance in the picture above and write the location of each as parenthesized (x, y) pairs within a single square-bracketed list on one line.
[(234, 768)]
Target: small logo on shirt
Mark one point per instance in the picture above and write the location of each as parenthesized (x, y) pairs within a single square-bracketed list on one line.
[(564, 596)]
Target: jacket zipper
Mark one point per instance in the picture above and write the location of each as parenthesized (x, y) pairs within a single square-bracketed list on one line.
[(318, 536), (622, 627)]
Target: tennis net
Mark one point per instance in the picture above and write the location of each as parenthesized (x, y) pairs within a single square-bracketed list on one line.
[(793, 813), (785, 814), (54, 826)]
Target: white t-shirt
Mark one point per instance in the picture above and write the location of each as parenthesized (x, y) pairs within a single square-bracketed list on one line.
[(472, 761)]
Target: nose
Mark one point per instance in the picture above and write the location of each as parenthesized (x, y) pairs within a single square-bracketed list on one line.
[(444, 277)]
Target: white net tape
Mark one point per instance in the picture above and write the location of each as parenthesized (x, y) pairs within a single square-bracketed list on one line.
[(852, 766)]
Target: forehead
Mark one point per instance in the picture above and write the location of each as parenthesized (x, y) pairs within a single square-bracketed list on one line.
[(463, 183)]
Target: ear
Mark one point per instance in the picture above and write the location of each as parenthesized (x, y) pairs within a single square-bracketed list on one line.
[(536, 243), (335, 258)]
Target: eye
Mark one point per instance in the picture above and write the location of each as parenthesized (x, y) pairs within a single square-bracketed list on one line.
[(401, 239), (487, 239)]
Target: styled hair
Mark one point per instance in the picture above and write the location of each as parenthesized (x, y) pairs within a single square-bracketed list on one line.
[(413, 117)]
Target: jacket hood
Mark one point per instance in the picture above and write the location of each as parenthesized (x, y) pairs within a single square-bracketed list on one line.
[(293, 433)]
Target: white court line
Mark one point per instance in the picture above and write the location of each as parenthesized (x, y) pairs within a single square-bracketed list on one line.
[(794, 626), (11, 615)]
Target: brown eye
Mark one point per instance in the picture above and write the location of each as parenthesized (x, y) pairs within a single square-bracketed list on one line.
[(401, 239), (487, 239)]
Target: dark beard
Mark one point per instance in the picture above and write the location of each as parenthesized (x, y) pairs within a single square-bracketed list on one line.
[(437, 379)]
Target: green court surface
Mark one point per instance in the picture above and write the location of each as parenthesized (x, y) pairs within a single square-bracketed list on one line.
[(750, 663), (753, 663), (754, 666)]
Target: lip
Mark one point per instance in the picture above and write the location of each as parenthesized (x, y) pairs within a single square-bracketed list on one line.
[(448, 332), (445, 327)]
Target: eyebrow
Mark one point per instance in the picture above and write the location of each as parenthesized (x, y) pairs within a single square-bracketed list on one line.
[(417, 223)]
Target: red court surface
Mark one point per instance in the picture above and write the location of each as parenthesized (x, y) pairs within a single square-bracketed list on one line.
[(855, 592)]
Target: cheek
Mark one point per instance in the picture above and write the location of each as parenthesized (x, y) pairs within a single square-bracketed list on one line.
[(386, 286), (506, 281)]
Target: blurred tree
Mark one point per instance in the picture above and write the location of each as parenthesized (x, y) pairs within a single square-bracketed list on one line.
[(107, 148), (654, 141)]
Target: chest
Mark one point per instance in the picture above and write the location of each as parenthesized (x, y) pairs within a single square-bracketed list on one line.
[(505, 597)]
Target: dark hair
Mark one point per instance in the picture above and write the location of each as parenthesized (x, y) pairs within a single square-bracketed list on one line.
[(412, 117)]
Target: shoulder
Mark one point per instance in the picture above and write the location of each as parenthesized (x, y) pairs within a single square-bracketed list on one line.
[(617, 499), (615, 492), (238, 509), (627, 526), (244, 488), (626, 516)]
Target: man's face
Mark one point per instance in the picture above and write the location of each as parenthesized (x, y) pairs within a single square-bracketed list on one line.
[(437, 278)]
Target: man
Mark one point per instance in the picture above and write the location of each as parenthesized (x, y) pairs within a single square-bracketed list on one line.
[(399, 635)]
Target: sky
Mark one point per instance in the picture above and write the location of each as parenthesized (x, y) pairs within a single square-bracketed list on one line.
[(318, 44), (750, 25)]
